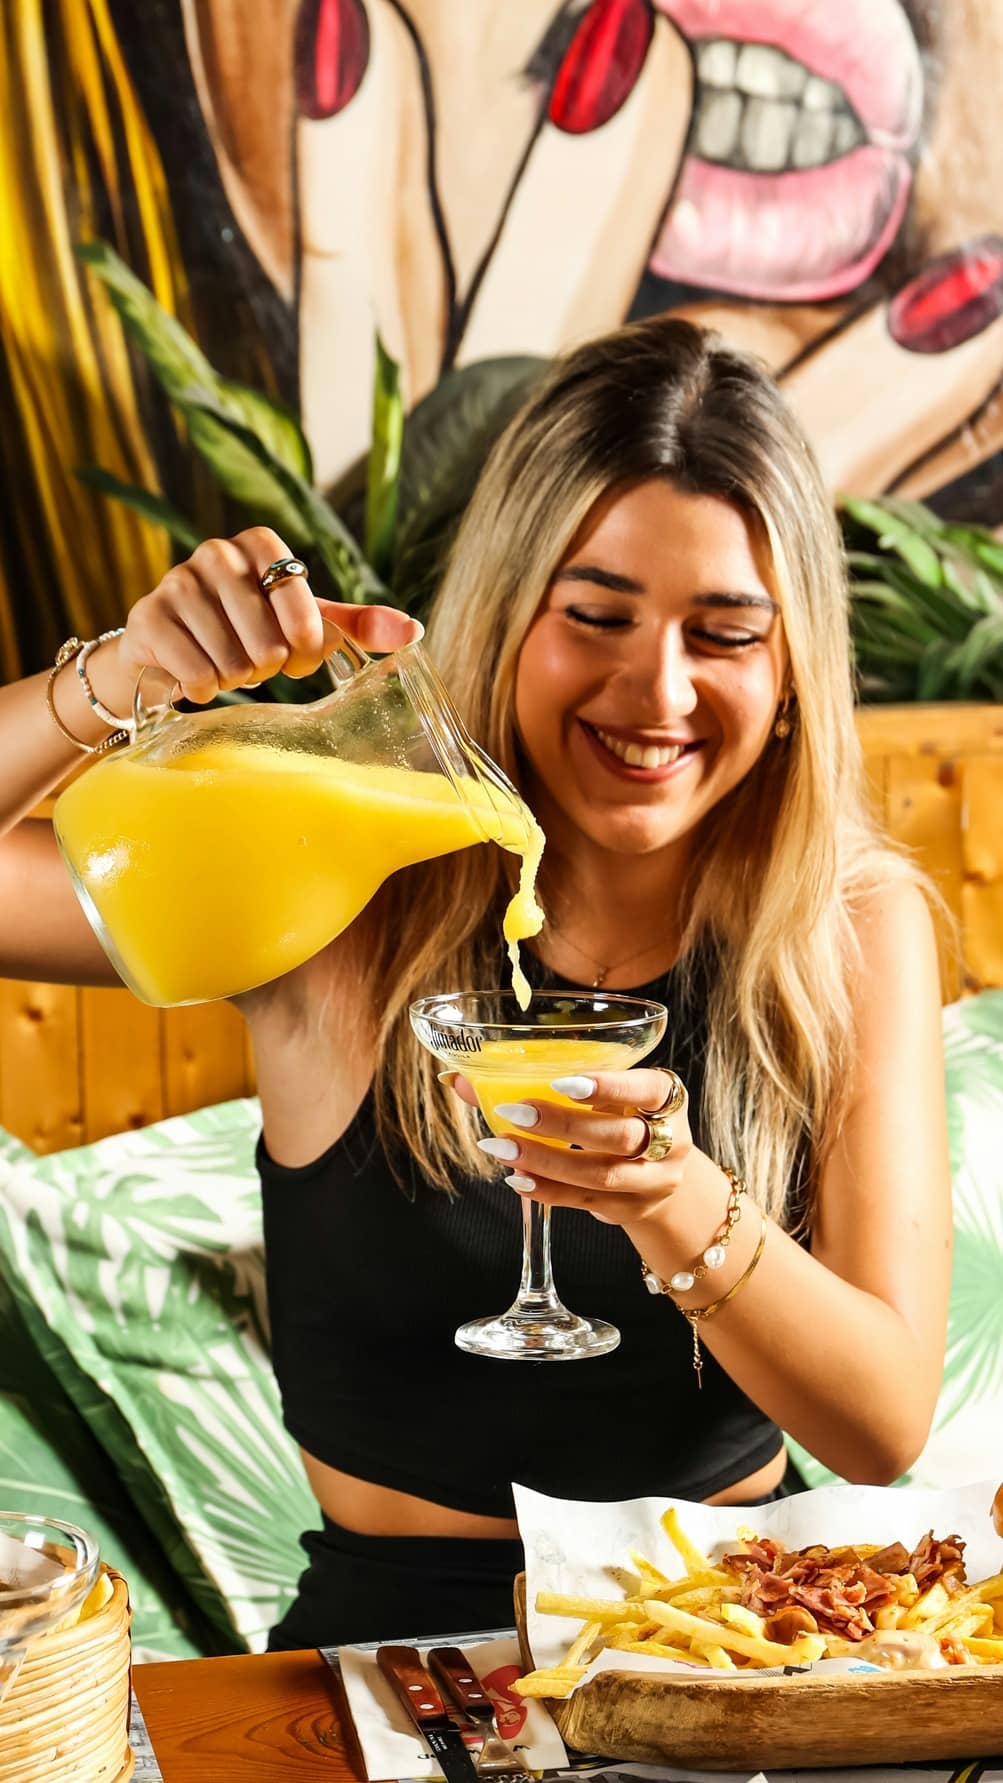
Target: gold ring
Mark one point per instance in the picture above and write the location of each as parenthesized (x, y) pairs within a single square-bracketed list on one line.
[(284, 569), (674, 1101), (659, 1141)]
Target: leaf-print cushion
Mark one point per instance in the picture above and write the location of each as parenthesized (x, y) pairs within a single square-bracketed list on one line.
[(966, 1442), (137, 1268)]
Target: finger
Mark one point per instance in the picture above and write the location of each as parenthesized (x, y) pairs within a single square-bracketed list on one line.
[(613, 1133), (640, 1088), (294, 609), (593, 1172), (180, 655), (461, 1086), (380, 629), (205, 617), (610, 1210)]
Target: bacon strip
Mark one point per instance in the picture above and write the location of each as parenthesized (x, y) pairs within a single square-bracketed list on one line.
[(834, 1590)]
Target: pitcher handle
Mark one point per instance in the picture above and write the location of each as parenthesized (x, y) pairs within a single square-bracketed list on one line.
[(344, 660)]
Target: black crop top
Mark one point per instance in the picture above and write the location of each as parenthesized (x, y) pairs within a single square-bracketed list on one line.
[(367, 1284)]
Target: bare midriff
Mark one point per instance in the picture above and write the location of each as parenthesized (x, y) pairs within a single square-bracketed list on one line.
[(379, 1510)]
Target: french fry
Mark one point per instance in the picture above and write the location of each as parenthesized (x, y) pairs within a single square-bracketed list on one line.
[(929, 1605), (579, 1647), (543, 1684), (715, 1656), (738, 1616), (590, 1609), (648, 1574), (692, 1559), (991, 1590), (799, 1652), (659, 1650), (989, 1651), (718, 1595)]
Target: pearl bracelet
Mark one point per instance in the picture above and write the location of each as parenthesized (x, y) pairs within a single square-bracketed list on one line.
[(713, 1257)]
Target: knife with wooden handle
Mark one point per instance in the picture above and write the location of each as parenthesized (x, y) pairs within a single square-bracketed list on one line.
[(402, 1667)]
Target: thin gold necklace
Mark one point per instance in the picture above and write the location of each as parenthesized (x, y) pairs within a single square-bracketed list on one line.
[(603, 972)]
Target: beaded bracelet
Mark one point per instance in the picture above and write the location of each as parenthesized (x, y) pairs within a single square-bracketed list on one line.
[(97, 705), (713, 1256), (695, 1315), (77, 649)]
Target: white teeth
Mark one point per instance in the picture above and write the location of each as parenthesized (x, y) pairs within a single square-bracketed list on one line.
[(716, 58), (761, 111), (821, 95), (768, 73), (767, 128), (812, 139), (718, 125), (638, 755)]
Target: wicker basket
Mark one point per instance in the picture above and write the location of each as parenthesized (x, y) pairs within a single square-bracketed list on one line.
[(67, 1714)]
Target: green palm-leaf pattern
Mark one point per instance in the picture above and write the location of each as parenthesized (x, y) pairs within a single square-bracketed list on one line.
[(966, 1442), (137, 1268)]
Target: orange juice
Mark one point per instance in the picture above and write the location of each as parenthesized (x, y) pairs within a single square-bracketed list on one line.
[(521, 1071), (223, 868)]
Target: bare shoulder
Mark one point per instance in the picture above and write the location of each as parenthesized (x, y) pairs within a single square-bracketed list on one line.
[(896, 990), (893, 922)]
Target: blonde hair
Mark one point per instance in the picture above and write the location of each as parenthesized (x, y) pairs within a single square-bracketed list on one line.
[(780, 863)]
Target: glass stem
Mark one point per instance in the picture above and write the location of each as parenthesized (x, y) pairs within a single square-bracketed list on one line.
[(536, 1288)]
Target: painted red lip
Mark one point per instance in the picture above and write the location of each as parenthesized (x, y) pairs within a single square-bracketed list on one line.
[(814, 233)]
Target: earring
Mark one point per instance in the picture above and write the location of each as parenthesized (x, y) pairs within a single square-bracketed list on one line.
[(783, 726)]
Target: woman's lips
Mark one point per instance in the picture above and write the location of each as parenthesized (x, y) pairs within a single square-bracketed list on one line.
[(798, 172), (640, 776), (865, 46), (791, 236)]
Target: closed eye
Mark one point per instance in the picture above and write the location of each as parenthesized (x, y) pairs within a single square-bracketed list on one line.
[(604, 622), (728, 640)]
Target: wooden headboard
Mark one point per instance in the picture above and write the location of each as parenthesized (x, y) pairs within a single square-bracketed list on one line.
[(77, 1064)]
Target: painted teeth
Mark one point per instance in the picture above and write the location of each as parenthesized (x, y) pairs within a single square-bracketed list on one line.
[(760, 111), (637, 755)]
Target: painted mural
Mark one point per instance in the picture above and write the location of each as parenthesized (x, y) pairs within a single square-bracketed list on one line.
[(820, 181)]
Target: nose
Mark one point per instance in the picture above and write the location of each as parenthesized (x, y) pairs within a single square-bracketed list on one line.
[(669, 689)]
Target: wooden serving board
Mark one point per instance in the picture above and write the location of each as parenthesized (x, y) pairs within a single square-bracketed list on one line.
[(786, 1723)]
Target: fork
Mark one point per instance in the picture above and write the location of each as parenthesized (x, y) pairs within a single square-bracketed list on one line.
[(496, 1759)]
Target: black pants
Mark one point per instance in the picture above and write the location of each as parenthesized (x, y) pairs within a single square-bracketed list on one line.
[(375, 1587)]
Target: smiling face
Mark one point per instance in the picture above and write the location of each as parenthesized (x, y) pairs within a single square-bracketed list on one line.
[(648, 683)]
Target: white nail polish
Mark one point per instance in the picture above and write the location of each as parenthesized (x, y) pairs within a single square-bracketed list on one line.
[(505, 1149), (523, 1185), (519, 1113), (578, 1088)]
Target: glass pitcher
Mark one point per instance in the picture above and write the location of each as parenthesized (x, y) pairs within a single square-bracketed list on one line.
[(219, 849)]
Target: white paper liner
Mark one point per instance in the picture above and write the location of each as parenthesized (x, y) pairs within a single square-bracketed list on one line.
[(390, 1745), (581, 1549)]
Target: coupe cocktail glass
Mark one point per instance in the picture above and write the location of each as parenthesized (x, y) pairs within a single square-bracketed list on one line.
[(46, 1570), (510, 1056)]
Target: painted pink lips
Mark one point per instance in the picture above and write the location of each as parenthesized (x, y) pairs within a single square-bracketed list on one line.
[(798, 168)]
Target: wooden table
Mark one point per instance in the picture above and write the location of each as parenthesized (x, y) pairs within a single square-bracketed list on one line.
[(263, 1718)]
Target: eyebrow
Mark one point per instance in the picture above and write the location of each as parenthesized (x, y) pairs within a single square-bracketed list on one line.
[(589, 572)]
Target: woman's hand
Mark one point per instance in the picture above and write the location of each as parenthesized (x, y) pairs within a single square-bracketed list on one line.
[(209, 627), (607, 1176)]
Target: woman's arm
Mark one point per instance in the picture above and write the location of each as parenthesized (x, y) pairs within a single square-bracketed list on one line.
[(842, 1346), (207, 626)]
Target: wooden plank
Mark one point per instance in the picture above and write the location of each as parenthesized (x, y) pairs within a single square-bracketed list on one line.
[(121, 1062), (982, 853), (280, 1717), (950, 729), (40, 1088), (923, 810), (204, 1057)]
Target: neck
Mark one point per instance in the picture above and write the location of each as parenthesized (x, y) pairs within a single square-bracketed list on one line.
[(606, 909)]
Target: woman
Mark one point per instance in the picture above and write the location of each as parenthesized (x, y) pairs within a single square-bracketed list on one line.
[(645, 621)]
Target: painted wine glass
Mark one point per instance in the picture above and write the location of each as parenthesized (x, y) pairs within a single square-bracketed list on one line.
[(510, 1054)]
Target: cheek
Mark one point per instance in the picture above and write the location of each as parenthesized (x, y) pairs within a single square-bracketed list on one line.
[(549, 678)]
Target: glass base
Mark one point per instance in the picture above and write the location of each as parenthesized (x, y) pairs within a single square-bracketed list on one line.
[(546, 1334)]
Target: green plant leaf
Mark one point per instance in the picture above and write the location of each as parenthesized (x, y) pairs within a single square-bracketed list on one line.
[(143, 501), (383, 470), (177, 363), (312, 518), (896, 534), (447, 438)]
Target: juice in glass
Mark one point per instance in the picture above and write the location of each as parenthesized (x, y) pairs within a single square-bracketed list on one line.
[(522, 1070)]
